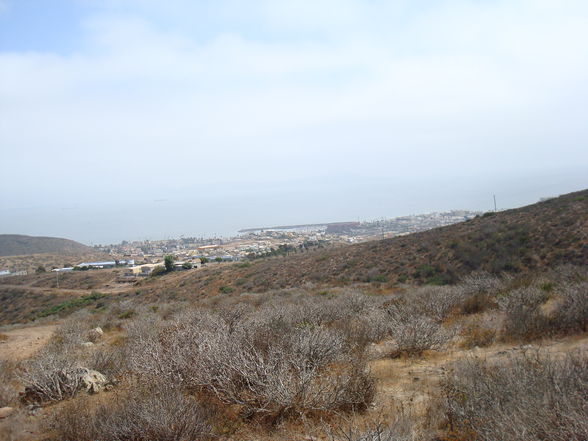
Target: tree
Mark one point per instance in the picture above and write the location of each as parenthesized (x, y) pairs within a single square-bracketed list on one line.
[(187, 265), (158, 271), (169, 263), (40, 269), (218, 259), (204, 260)]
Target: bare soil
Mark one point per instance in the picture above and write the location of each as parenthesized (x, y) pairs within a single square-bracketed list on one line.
[(23, 343)]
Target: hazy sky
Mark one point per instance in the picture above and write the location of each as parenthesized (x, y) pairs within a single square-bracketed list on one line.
[(129, 119)]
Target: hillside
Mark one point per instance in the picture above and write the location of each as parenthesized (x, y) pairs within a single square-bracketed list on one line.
[(17, 245), (530, 238)]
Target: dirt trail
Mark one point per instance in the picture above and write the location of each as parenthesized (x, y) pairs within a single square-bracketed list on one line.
[(24, 342)]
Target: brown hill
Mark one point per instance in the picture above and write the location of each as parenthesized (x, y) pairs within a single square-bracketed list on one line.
[(17, 245), (531, 238)]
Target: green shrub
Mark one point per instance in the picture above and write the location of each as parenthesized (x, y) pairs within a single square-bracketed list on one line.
[(79, 302)]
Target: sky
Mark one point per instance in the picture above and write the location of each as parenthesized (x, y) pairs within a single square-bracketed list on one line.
[(145, 119)]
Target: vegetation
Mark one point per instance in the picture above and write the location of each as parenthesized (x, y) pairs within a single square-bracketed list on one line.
[(158, 413), (169, 263), (158, 271), (71, 304), (528, 397), (437, 342)]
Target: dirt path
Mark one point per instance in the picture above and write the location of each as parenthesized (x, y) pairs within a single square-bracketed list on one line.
[(24, 342)]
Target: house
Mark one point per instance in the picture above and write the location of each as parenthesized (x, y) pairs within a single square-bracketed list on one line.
[(108, 264), (141, 270), (62, 270)]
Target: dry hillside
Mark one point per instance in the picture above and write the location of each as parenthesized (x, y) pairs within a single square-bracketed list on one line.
[(513, 241), (17, 244)]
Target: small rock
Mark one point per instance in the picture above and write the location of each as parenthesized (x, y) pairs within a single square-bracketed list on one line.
[(98, 330), (87, 344), (94, 381), (5, 412), (95, 334)]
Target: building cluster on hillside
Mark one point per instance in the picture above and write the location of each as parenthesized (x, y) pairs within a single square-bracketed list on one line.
[(414, 223), (7, 273), (140, 258), (267, 241)]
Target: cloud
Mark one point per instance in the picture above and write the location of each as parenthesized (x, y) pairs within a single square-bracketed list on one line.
[(296, 92)]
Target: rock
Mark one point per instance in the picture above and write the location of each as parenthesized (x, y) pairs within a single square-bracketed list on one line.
[(5, 412), (95, 334), (98, 330), (94, 381), (87, 344)]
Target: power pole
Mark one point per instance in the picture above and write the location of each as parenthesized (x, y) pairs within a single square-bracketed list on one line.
[(495, 204)]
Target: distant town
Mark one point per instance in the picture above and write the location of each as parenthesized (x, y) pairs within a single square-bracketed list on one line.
[(141, 258)]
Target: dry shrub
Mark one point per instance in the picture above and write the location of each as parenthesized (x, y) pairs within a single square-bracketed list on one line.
[(474, 294), (434, 302), (146, 413), (272, 363), (56, 372), (571, 315), (8, 393), (524, 318), (400, 430), (53, 384), (528, 397), (414, 334), (477, 303), (475, 335)]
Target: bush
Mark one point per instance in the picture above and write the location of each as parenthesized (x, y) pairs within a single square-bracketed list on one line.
[(415, 334), (58, 371), (47, 383), (76, 303), (399, 431), (475, 335), (269, 362), (571, 314), (158, 271), (8, 393), (528, 397), (523, 316), (160, 413), (226, 289)]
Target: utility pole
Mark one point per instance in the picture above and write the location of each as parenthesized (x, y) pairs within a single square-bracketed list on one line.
[(495, 204), (57, 277)]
